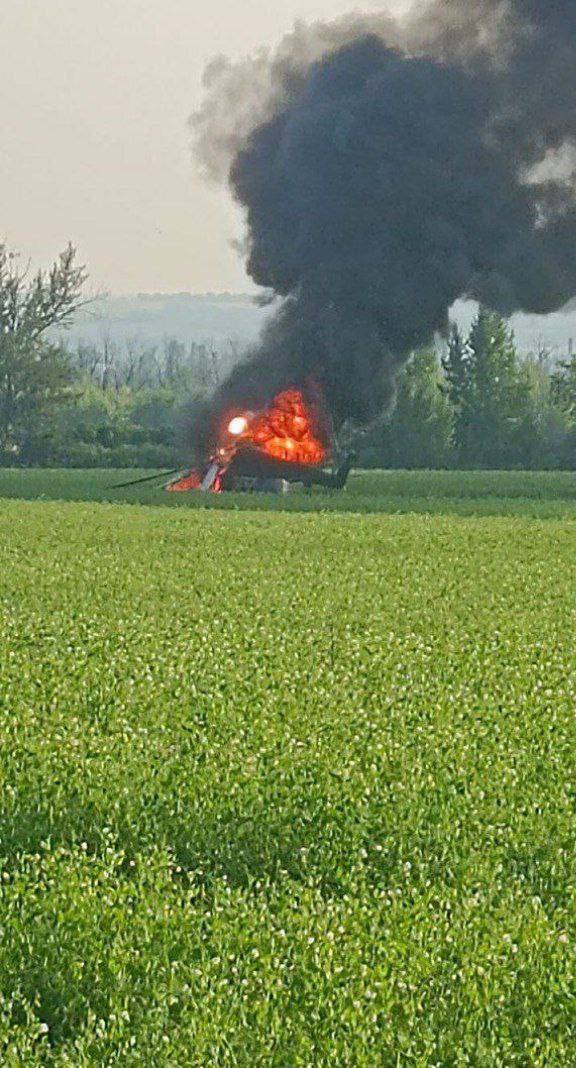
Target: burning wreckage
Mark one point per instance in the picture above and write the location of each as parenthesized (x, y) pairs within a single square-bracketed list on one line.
[(386, 168), (268, 450)]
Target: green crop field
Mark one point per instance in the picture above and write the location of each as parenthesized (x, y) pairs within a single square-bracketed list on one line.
[(289, 788), (532, 493)]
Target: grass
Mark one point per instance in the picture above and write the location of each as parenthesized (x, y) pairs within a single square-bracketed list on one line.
[(533, 493), (285, 789)]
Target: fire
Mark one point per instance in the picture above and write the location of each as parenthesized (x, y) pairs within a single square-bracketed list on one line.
[(238, 426), (284, 431), (183, 485)]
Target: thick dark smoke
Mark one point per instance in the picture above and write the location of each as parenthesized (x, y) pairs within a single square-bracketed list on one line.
[(387, 170)]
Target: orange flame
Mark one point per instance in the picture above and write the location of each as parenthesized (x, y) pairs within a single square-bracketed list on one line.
[(284, 431), (183, 485)]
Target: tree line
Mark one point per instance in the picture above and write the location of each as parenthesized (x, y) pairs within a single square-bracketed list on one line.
[(90, 405), (477, 404), (480, 404)]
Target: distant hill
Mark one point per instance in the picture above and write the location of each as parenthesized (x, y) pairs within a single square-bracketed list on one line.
[(151, 317), (222, 318)]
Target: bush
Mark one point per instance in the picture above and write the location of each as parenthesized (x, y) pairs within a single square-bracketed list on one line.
[(92, 455)]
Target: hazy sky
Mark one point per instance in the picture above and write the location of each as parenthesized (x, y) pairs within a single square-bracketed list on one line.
[(94, 101)]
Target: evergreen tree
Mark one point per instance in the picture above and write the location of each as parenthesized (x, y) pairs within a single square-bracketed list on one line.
[(563, 394), (417, 432), (563, 386), (491, 395), (457, 369)]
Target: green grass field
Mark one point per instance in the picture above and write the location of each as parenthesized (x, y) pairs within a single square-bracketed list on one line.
[(532, 493), (289, 789)]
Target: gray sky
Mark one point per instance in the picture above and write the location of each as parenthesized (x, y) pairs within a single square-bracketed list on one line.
[(94, 101)]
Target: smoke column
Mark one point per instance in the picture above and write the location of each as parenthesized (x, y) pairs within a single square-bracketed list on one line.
[(387, 169)]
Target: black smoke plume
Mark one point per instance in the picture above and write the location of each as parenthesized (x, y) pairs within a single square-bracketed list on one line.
[(387, 169)]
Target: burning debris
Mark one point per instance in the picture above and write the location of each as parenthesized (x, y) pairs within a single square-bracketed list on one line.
[(285, 431), (387, 169), (283, 443)]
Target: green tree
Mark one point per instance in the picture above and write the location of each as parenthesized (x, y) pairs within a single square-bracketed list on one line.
[(563, 387), (491, 395), (563, 395), (457, 387), (417, 432), (34, 371)]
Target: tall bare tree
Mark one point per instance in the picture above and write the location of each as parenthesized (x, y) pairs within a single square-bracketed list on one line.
[(34, 370)]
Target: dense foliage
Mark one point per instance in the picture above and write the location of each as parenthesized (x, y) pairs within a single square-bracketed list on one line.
[(124, 406), (286, 790), (34, 371), (480, 406)]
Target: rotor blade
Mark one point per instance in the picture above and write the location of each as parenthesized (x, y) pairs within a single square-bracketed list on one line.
[(149, 478)]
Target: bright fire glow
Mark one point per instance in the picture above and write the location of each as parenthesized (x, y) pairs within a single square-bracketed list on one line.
[(183, 485), (238, 426), (284, 431)]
